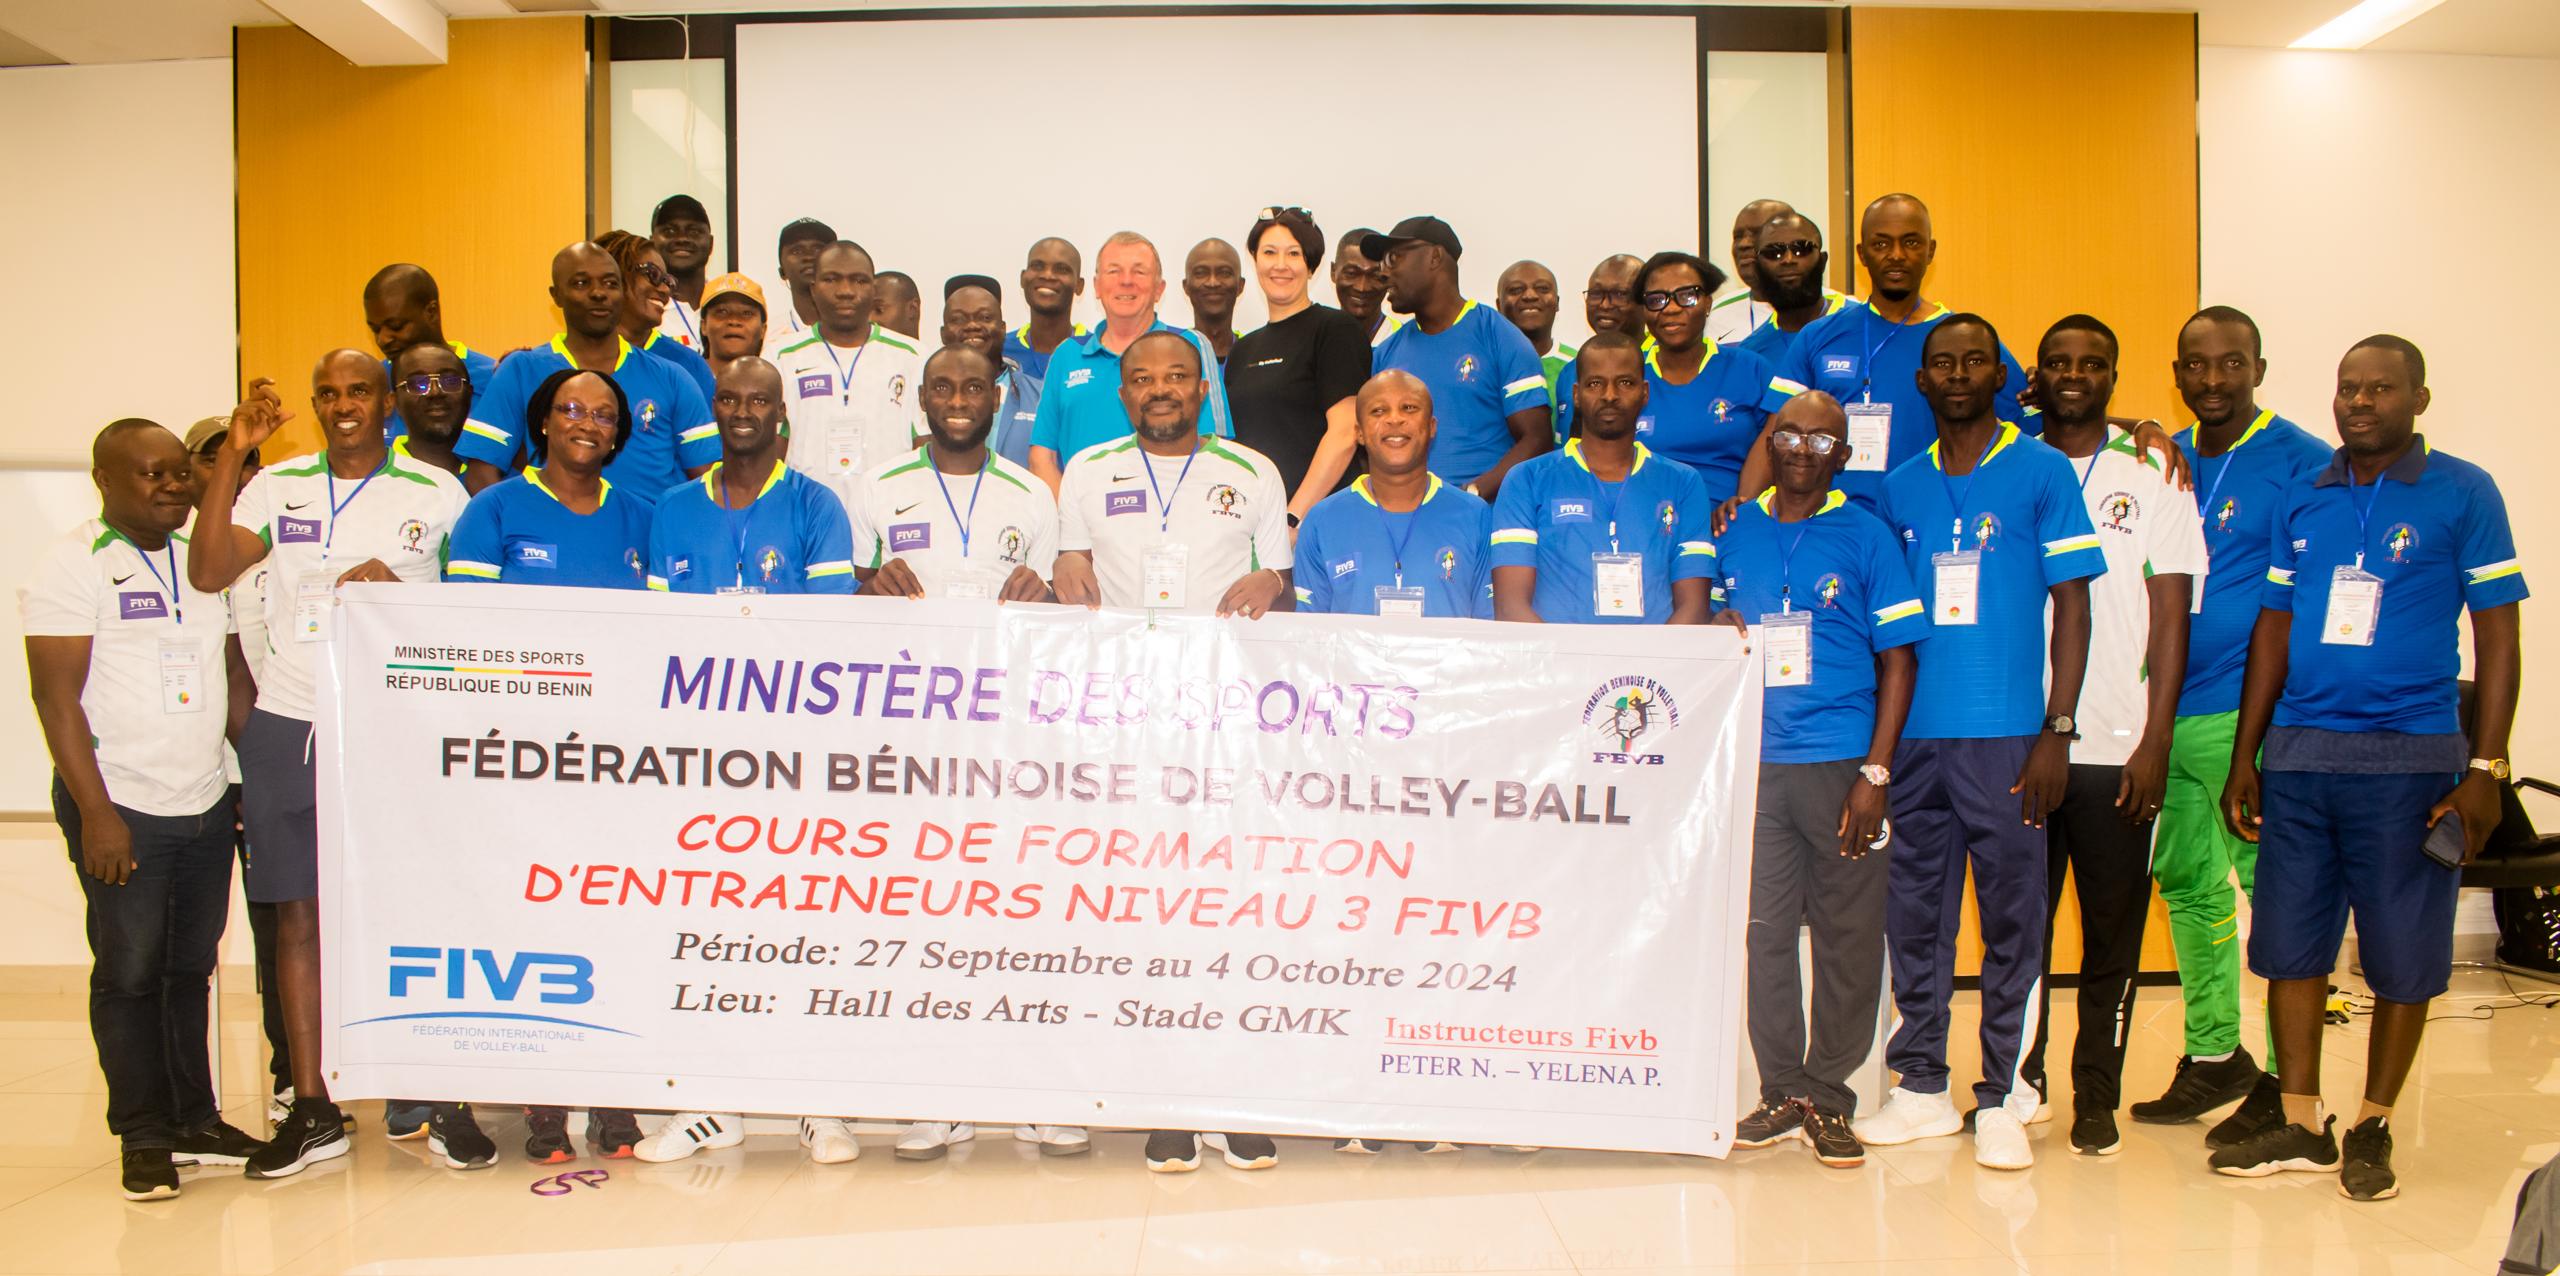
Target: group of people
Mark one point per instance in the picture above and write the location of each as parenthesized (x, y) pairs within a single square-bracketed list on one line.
[(2038, 641)]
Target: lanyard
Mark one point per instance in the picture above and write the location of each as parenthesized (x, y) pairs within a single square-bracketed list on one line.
[(2364, 512), (948, 503), (177, 605), (1867, 366), (738, 520), (844, 371), (1613, 492), (2086, 473), (337, 506), (1164, 502), (1395, 543), (1787, 568), (1956, 500), (687, 320)]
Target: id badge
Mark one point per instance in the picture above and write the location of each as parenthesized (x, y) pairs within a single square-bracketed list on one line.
[(739, 589), (1870, 435), (844, 448), (1165, 576), (181, 676), (1959, 581), (313, 595), (1617, 585), (2355, 604), (1398, 600), (1786, 649), (968, 582)]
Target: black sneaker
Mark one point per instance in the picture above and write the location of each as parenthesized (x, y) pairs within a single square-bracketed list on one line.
[(1774, 1121), (149, 1174), (1249, 1151), (311, 1133), (453, 1134), (2283, 1147), (613, 1131), (2093, 1128), (216, 1144), (405, 1119), (1359, 1147), (2263, 1110), (2199, 1088), (2365, 1174), (1834, 1144), (546, 1140), (1173, 1152)]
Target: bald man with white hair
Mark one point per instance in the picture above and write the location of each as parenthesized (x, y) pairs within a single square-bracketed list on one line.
[(1080, 397)]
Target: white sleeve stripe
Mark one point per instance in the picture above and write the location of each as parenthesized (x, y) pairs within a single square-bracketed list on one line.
[(1524, 385)]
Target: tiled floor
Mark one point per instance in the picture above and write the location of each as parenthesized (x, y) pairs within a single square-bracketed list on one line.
[(2484, 1110)]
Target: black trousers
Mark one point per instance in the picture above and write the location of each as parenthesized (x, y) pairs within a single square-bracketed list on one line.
[(1799, 878), (2110, 863)]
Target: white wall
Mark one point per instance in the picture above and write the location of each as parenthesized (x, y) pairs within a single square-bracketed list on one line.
[(654, 157), (2346, 194), (1768, 137)]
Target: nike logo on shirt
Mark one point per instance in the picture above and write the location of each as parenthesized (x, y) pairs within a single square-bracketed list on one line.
[(126, 577), (903, 509), (303, 505), (1122, 478)]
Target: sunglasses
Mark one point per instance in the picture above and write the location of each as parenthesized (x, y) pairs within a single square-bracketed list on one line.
[(1272, 214), (1799, 441), (1688, 297), (431, 382), (1793, 248)]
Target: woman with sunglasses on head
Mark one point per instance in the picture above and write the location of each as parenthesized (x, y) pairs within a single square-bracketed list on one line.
[(646, 289), (1704, 403), (1291, 383)]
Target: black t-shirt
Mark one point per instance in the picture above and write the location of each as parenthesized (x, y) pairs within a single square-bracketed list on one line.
[(1281, 378)]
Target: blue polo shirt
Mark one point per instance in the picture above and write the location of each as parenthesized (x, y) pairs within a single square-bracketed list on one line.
[(686, 359), (1080, 396), (1480, 370), (671, 427), (515, 532), (1853, 355), (795, 538), (1348, 548), (1553, 514), (1842, 568), (2021, 508), (2237, 493), (1710, 423), (2434, 528), (1771, 342), (1017, 410), (1017, 347), (479, 367)]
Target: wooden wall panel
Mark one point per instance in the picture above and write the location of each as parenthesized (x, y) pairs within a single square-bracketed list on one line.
[(2057, 154), (476, 169)]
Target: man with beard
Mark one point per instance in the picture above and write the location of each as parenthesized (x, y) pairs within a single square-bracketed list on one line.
[(797, 250), (954, 519), (682, 231), (1360, 286), (1487, 387), (1791, 263), (1526, 295), (733, 322), (1747, 307), (1052, 278), (1212, 278), (402, 308), (973, 316), (432, 391), (851, 382)]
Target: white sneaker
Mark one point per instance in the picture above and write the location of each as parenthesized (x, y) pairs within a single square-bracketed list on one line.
[(830, 1141), (928, 1140), (1908, 1115), (1055, 1140), (2000, 1141), (686, 1133)]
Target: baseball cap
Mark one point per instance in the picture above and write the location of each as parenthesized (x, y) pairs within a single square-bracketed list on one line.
[(204, 431), (674, 206), (807, 228), (958, 282), (1425, 229), (733, 282)]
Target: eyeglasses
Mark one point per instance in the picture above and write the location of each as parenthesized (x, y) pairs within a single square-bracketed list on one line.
[(1688, 298), (422, 383), (1793, 248), (1619, 296), (603, 416), (656, 275), (1799, 441)]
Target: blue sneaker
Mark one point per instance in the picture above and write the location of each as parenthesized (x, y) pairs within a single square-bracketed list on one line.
[(405, 1119)]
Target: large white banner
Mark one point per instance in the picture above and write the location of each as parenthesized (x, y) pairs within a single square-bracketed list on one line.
[(944, 860)]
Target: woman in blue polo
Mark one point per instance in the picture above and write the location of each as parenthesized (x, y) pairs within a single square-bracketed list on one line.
[(561, 522)]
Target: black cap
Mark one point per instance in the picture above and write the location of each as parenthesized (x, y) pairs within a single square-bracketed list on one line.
[(807, 228), (958, 282), (1427, 230), (675, 206)]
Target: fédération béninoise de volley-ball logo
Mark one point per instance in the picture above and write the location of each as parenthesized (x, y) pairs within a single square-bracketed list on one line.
[(1628, 708)]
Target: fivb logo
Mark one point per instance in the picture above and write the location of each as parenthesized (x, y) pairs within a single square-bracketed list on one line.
[(557, 979), (907, 536), (1123, 503)]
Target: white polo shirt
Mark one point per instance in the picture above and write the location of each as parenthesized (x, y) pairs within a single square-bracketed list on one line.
[(2146, 527), (317, 526), (851, 410), (963, 531), (1227, 516), (156, 694)]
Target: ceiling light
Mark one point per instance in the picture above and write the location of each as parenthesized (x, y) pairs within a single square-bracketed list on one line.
[(2364, 24)]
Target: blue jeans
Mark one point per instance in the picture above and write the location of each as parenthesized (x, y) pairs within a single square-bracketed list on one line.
[(155, 940)]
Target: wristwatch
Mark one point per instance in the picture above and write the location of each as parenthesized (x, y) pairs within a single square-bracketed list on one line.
[(2063, 725), (1875, 775), (2496, 767)]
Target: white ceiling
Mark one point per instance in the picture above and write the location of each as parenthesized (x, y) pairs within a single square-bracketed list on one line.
[(48, 31)]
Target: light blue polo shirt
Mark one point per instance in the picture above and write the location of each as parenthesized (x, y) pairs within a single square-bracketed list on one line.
[(795, 538), (1017, 410), (671, 426), (1853, 355), (1348, 548), (1553, 514), (2434, 528), (2237, 492), (1710, 423), (1843, 569), (1480, 369), (2021, 510), (1080, 397), (479, 367), (515, 532)]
